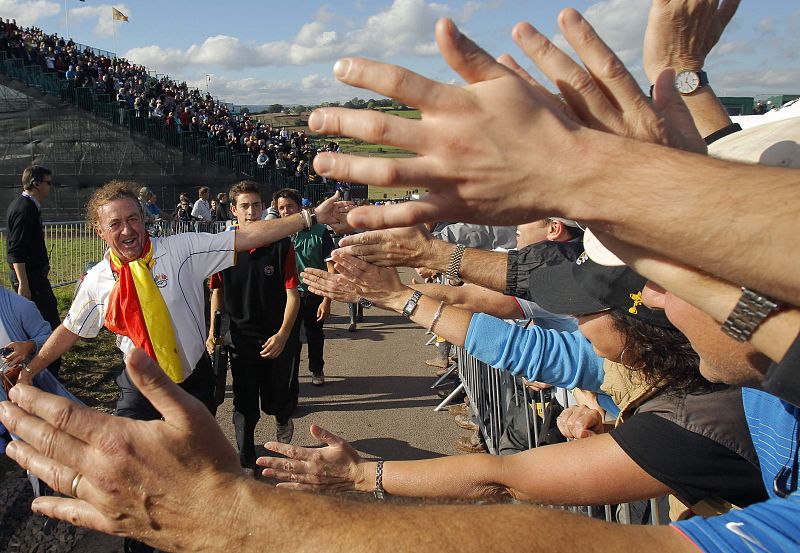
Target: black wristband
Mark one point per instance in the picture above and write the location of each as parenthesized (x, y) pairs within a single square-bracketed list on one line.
[(722, 133)]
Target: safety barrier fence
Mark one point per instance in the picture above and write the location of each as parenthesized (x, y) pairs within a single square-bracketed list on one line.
[(492, 392), (199, 144), (72, 245)]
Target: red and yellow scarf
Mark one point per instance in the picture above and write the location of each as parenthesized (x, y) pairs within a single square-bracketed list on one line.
[(137, 310)]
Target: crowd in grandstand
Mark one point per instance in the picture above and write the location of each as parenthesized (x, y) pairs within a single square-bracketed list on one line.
[(641, 285)]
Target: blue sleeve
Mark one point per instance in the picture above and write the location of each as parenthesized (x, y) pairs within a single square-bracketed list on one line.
[(31, 321), (773, 526), (564, 359)]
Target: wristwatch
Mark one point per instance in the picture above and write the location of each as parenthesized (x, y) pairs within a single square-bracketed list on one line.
[(454, 266), (750, 310), (411, 304), (688, 81)]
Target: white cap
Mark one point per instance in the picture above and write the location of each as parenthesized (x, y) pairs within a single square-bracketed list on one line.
[(597, 252)]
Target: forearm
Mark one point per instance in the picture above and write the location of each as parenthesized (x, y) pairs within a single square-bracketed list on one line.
[(707, 111), (452, 324), (290, 311), (260, 514), (60, 341), (20, 269), (481, 267), (473, 298), (660, 207), (217, 305), (263, 233)]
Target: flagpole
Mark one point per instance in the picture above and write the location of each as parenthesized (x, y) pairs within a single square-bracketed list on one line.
[(66, 18), (114, 29)]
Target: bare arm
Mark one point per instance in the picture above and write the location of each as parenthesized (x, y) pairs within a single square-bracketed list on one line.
[(473, 298), (226, 510), (217, 304), (59, 342)]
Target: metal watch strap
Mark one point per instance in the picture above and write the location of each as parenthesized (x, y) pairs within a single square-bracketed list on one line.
[(454, 266), (379, 492), (750, 310), (411, 304)]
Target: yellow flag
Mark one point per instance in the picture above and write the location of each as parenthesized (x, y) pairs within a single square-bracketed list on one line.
[(118, 15)]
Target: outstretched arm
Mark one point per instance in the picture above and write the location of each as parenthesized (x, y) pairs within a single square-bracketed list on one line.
[(190, 494), (592, 471), (59, 342)]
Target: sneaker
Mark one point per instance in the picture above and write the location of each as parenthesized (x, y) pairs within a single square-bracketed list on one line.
[(438, 363), (318, 379), (465, 422), (285, 432), (471, 444)]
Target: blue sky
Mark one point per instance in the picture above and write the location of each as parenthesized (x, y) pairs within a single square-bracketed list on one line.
[(282, 52)]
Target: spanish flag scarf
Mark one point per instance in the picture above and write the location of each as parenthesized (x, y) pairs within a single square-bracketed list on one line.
[(137, 310)]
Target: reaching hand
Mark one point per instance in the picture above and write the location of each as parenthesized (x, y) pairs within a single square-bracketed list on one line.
[(136, 475), (681, 33), (330, 285), (396, 247), (579, 422), (379, 285), (20, 351), (332, 468), (333, 212)]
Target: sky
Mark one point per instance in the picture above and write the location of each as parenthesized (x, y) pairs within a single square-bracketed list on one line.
[(282, 52)]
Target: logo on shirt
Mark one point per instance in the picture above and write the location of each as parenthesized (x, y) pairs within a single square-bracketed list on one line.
[(269, 270), (161, 280)]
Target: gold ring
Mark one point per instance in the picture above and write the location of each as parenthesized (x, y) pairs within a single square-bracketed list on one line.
[(75, 482)]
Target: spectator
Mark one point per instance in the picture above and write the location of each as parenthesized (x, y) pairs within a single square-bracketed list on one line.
[(202, 209)]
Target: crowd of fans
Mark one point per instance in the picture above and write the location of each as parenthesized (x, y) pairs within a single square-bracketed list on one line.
[(674, 331), (180, 107)]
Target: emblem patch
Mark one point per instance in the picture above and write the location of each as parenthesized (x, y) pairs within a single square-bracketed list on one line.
[(161, 280), (269, 270)]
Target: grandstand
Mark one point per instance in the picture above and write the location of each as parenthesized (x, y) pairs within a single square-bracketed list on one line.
[(91, 116)]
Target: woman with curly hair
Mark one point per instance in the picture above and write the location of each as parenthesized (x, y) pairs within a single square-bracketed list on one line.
[(692, 442)]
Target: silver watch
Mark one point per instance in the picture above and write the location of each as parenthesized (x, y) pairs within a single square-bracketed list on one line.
[(454, 267), (750, 310), (411, 304)]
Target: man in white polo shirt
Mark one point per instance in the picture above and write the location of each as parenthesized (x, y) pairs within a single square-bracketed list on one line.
[(165, 310)]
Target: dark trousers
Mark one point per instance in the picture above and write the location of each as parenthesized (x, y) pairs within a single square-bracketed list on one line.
[(133, 405), (42, 295), (270, 383), (315, 337)]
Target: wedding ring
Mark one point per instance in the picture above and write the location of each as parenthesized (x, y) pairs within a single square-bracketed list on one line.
[(75, 482)]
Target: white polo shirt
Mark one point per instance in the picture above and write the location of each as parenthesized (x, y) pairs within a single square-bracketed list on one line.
[(182, 263)]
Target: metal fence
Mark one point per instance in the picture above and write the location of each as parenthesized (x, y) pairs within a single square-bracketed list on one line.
[(491, 391), (73, 244)]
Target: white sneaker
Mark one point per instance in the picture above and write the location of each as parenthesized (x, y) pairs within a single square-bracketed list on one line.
[(317, 379)]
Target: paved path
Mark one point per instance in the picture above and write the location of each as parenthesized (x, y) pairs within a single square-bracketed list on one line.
[(377, 396)]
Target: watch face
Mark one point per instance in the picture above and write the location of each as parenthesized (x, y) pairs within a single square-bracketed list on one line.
[(687, 82)]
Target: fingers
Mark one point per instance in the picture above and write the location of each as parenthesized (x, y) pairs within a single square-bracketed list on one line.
[(74, 511), (603, 64), (726, 11), (377, 172), (511, 63), (464, 56), (36, 406), (326, 437), (398, 215), (391, 81), (370, 237), (174, 404), (58, 475), (371, 126), (291, 452)]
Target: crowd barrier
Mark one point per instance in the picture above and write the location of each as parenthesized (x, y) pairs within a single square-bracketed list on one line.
[(74, 244), (491, 391)]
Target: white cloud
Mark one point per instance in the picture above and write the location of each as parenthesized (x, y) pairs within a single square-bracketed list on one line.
[(102, 13), (404, 28), (310, 89), (28, 12)]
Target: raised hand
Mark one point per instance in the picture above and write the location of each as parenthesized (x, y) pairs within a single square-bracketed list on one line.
[(333, 212), (380, 285), (579, 422), (330, 285), (335, 467), (134, 475), (395, 247)]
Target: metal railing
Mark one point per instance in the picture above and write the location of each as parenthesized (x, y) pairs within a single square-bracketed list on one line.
[(71, 245), (491, 391)]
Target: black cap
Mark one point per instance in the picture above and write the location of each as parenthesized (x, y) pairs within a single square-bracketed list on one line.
[(583, 287)]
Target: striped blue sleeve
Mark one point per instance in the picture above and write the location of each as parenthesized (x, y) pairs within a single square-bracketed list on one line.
[(564, 359), (772, 526)]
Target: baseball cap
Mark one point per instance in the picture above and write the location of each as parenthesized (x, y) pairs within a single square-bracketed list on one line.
[(583, 287)]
